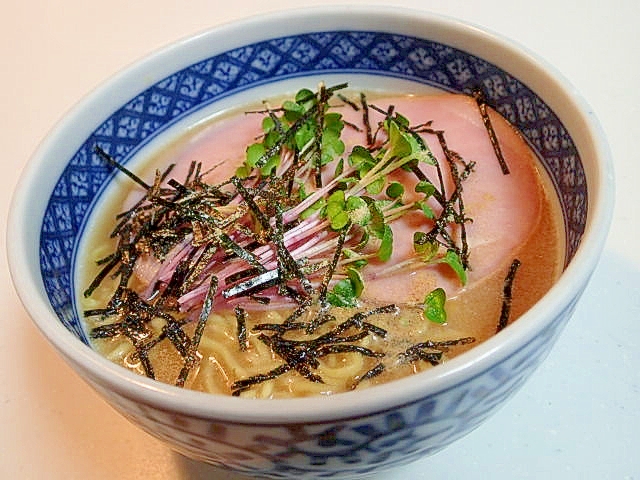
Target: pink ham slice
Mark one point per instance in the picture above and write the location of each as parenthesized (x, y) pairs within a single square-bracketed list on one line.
[(504, 208)]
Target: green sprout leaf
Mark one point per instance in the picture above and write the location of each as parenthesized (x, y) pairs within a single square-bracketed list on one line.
[(364, 241), (452, 259), (426, 210), (243, 171), (336, 199), (339, 220), (304, 134), (255, 153), (395, 190), (270, 165), (358, 263), (293, 110), (425, 187), (268, 124), (315, 207), (401, 120), (376, 186), (386, 244), (305, 97), (424, 246), (377, 223), (360, 156), (358, 211), (343, 294), (336, 210), (434, 306), (256, 158), (332, 146), (272, 138), (361, 159), (333, 122), (355, 276), (420, 151), (399, 143)]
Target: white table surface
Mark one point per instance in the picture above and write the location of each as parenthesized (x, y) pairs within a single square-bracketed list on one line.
[(578, 417)]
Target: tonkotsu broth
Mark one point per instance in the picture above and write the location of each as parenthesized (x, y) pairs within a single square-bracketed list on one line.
[(472, 311)]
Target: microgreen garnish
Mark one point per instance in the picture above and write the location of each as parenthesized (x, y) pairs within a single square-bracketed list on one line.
[(434, 306), (453, 259), (343, 294), (395, 190)]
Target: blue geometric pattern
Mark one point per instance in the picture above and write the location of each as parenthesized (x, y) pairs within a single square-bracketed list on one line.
[(186, 91), (359, 445)]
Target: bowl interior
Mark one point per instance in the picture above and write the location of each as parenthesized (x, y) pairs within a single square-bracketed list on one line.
[(366, 58)]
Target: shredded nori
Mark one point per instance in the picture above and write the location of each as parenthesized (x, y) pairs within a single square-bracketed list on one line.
[(486, 120), (241, 321), (190, 355), (432, 351), (507, 295), (303, 356), (107, 158), (372, 373)]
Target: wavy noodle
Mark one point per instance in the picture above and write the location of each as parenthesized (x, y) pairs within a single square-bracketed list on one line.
[(347, 369), (209, 377), (266, 390), (118, 350)]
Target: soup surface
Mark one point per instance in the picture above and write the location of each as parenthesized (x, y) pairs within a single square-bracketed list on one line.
[(319, 244)]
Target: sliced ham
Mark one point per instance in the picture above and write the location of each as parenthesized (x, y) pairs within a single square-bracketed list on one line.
[(504, 208)]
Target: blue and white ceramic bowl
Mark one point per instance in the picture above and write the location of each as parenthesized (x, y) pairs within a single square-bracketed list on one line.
[(349, 434)]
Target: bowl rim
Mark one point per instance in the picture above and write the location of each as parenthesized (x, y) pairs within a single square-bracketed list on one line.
[(466, 36)]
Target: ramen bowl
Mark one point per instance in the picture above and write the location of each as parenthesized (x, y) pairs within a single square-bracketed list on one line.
[(348, 434)]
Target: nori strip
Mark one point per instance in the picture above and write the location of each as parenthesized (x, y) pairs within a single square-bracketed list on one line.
[(478, 95), (507, 295), (374, 372), (242, 274), (332, 266), (191, 357), (286, 262), (241, 320), (240, 386), (349, 102), (104, 273), (432, 351), (112, 162), (254, 284)]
